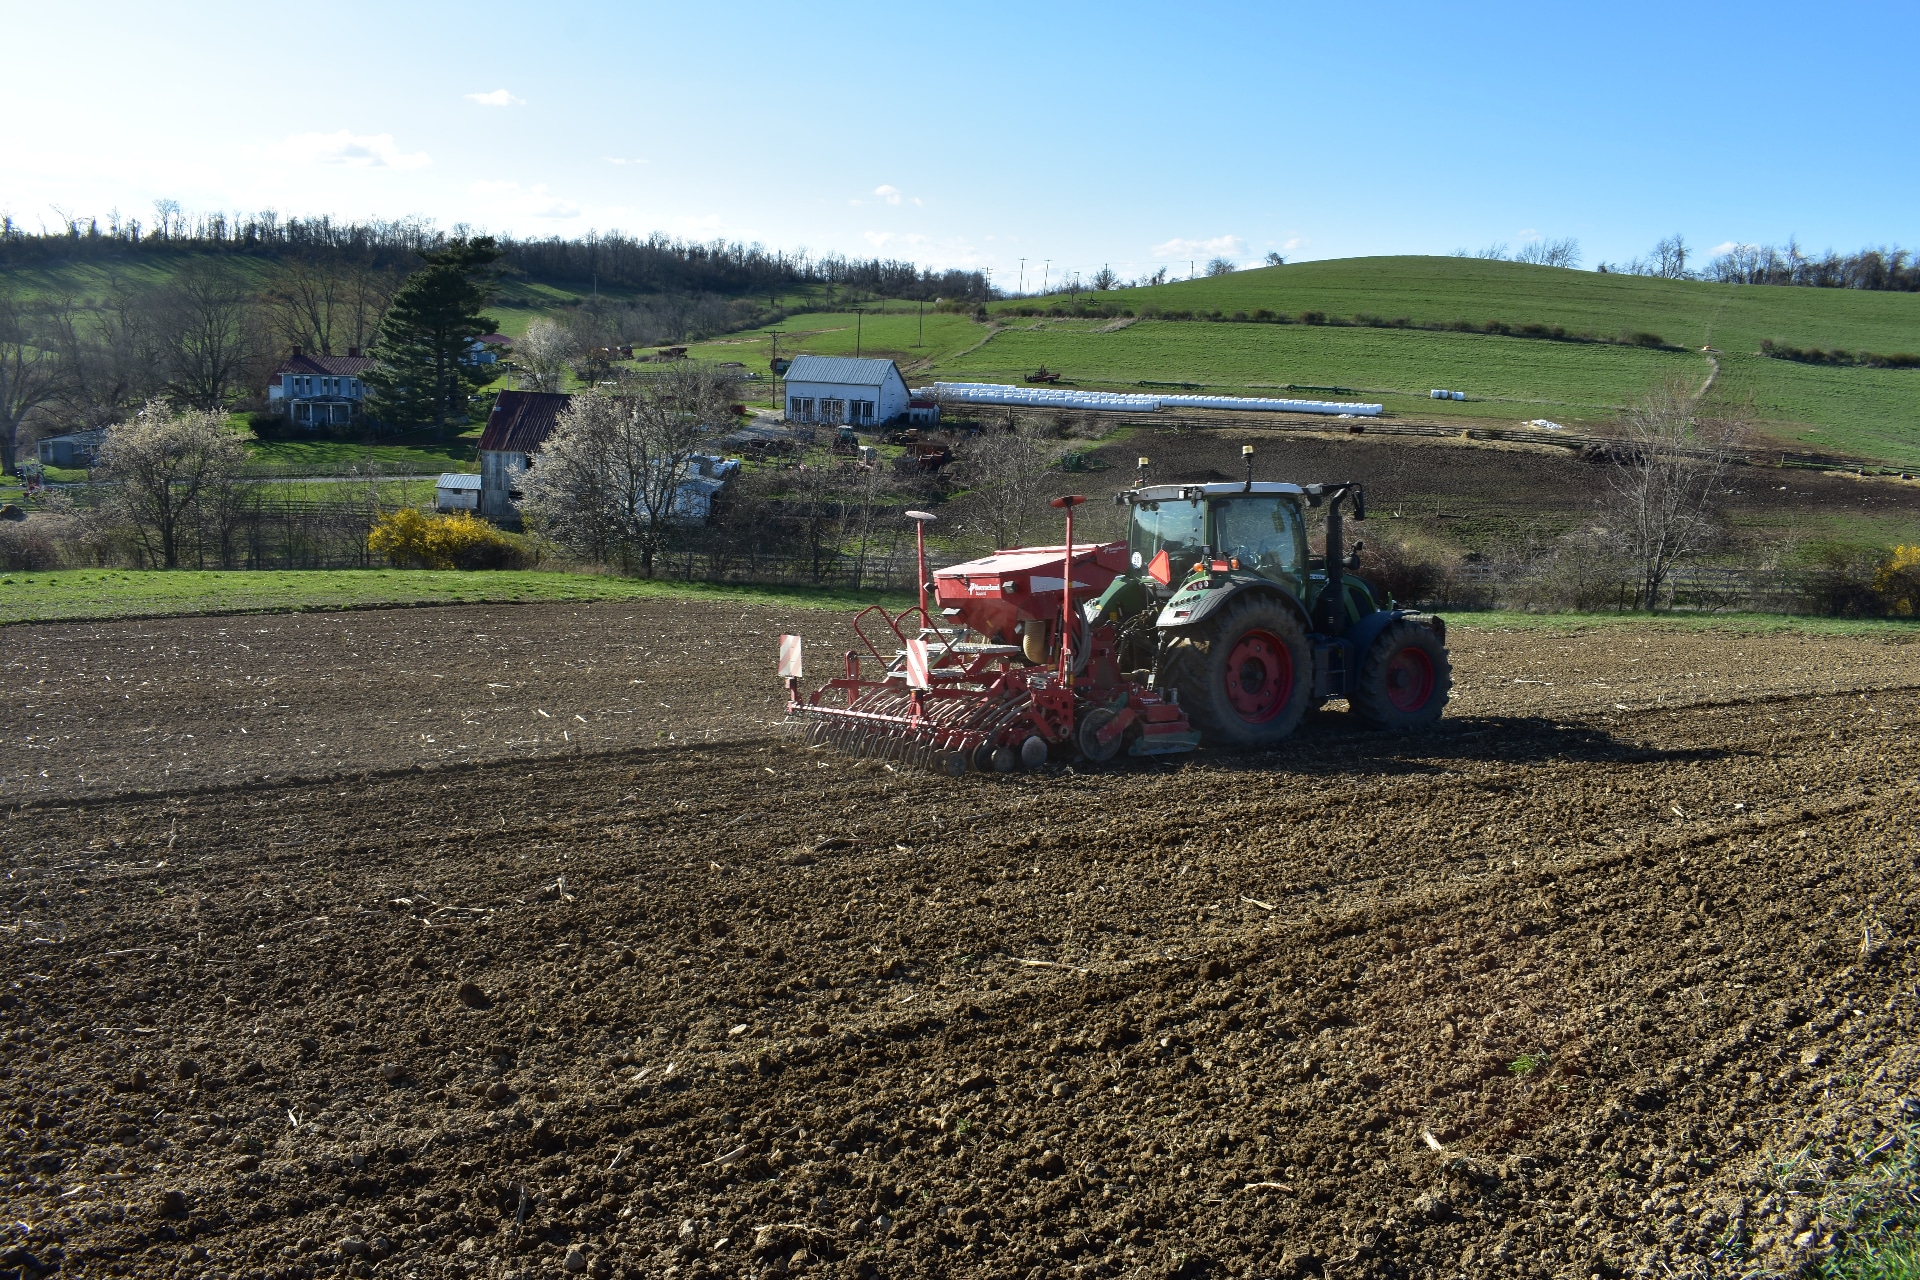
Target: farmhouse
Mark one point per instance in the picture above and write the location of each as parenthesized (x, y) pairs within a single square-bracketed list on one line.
[(520, 423), (319, 391), (839, 389)]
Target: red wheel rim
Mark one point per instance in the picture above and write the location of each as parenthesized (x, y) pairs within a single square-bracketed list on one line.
[(1259, 676), (1410, 679)]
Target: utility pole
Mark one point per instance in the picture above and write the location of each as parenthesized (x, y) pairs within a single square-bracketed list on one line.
[(773, 371), (1046, 273), (1023, 277), (922, 341), (859, 314)]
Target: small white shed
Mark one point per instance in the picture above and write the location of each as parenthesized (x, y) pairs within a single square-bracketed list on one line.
[(457, 491), (836, 390)]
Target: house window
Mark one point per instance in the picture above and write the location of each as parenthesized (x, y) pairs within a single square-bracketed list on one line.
[(863, 411), (800, 409), (833, 412)]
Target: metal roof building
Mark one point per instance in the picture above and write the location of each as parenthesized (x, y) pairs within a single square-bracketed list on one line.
[(841, 389)]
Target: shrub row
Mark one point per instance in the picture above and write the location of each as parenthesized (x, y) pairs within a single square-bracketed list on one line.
[(1814, 355)]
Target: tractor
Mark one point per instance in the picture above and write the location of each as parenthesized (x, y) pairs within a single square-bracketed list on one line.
[(1212, 624)]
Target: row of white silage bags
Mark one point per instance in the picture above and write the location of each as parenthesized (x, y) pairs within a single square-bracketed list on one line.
[(1131, 402)]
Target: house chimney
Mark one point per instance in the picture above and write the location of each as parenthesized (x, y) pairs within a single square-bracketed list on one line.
[(297, 353), (353, 353)]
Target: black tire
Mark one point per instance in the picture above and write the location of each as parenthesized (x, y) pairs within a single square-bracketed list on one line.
[(1258, 713), (1405, 679)]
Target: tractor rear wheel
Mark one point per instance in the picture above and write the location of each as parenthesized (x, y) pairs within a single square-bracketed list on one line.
[(1405, 679), (1246, 677)]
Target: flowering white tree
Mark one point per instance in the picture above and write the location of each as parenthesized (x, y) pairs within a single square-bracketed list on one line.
[(544, 353), (607, 482)]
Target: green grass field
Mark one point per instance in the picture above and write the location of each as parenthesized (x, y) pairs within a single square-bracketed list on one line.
[(1507, 378), (1869, 412), (423, 459), (148, 593), (1689, 313)]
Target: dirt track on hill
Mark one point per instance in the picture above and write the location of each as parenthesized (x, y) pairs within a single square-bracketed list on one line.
[(1631, 930)]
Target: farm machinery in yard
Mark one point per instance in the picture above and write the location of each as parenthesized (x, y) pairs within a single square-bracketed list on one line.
[(1212, 624)]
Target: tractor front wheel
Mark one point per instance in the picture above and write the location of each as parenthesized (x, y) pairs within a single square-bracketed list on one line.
[(1246, 679), (1405, 679)]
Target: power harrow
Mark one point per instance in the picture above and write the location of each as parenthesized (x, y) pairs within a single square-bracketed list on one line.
[(1211, 624)]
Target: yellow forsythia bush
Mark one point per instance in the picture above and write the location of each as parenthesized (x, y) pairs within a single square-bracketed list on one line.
[(1897, 582), (411, 539)]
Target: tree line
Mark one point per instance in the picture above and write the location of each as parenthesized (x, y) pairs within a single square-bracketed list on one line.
[(655, 263)]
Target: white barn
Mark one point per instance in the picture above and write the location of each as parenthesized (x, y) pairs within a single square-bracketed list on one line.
[(832, 390)]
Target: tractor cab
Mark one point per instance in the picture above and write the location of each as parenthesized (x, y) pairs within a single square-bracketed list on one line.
[(1255, 528)]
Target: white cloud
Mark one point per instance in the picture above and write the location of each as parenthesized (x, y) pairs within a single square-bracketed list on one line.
[(889, 193), (532, 202), (1293, 242), (498, 98), (1725, 247), (358, 151), (621, 160), (1218, 247), (1529, 236), (888, 239)]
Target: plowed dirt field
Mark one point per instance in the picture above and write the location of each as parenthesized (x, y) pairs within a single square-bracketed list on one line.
[(513, 942)]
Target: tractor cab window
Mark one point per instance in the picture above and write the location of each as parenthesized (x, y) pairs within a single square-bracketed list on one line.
[(1175, 526), (1263, 533)]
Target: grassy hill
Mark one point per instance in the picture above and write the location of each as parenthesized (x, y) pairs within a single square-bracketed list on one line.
[(1872, 412), (1690, 313)]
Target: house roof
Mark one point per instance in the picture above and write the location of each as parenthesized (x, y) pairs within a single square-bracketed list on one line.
[(337, 365), (495, 339), (457, 480), (521, 421), (844, 370)]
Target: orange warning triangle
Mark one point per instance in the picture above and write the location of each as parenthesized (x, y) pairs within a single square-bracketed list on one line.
[(1161, 570)]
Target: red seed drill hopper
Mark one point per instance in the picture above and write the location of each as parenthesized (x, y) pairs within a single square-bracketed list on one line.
[(1005, 671)]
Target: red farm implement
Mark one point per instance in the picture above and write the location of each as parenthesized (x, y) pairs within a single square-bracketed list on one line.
[(924, 694)]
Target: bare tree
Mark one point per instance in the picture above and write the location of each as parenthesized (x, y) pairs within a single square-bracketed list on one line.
[(208, 330), (112, 355), (609, 481), (31, 373), (1276, 259), (1221, 267), (165, 471), (1668, 480), (1670, 258), (326, 305), (1006, 478), (1550, 253), (544, 353), (1104, 279)]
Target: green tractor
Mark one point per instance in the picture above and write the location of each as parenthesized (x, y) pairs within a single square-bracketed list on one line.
[(1223, 603)]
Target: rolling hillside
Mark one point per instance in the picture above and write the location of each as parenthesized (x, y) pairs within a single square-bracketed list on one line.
[(1861, 411), (1850, 410)]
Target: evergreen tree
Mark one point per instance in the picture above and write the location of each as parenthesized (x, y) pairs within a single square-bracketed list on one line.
[(425, 372)]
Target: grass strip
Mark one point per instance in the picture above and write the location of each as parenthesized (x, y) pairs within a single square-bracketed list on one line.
[(63, 595), (78, 595), (1897, 629)]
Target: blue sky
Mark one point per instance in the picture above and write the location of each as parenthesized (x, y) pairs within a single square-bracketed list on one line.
[(1071, 135)]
